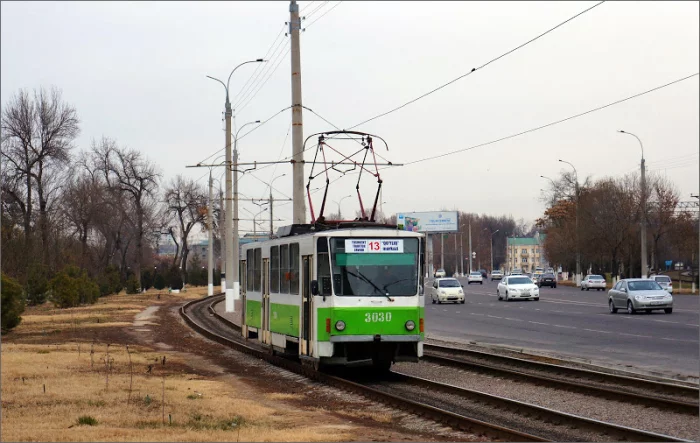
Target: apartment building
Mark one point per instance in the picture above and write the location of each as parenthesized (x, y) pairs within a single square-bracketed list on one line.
[(525, 254)]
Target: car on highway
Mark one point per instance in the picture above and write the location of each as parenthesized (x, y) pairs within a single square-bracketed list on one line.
[(593, 281), (664, 281), (496, 275), (447, 290), (484, 274), (516, 288), (546, 279), (440, 273), (516, 272), (639, 294), (475, 277)]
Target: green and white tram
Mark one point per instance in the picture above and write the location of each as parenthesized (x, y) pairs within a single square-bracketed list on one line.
[(349, 294)]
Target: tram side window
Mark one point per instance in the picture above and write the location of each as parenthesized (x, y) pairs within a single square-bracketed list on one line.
[(284, 269), (250, 254), (258, 269), (275, 269), (324, 267), (294, 267)]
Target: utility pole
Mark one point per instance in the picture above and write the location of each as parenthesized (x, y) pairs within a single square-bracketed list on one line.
[(456, 262), (644, 207), (223, 245), (461, 254), (299, 205), (210, 249), (442, 250), (471, 255)]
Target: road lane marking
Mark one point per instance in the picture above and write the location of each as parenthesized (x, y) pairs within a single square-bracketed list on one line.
[(480, 315), (666, 321), (457, 312), (493, 316), (678, 339), (567, 327), (538, 323), (635, 335), (513, 319), (595, 330)]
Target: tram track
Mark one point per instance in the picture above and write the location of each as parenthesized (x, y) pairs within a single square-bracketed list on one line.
[(418, 396), (662, 395)]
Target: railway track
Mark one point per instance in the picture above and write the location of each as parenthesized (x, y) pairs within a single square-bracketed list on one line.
[(417, 395), (662, 395)]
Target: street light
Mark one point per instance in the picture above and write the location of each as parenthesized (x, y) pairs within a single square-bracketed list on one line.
[(254, 224), (486, 229), (271, 200), (643, 220), (578, 254), (232, 285), (340, 216)]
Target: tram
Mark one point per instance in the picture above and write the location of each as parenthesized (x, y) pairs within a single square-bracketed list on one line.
[(337, 292)]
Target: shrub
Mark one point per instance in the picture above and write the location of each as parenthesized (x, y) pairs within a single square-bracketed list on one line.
[(87, 420), (132, 285), (110, 281), (72, 287), (175, 278), (37, 284), (12, 303), (159, 282)]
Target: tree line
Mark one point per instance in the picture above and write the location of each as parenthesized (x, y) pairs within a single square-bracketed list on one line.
[(96, 212), (609, 227)]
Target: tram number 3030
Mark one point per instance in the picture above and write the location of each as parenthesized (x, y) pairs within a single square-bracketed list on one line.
[(377, 317)]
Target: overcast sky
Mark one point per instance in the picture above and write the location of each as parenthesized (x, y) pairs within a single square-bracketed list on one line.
[(135, 71)]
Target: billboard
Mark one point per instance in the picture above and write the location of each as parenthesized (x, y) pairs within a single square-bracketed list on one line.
[(428, 221)]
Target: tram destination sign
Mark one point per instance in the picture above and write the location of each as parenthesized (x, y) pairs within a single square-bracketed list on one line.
[(360, 246), (442, 221)]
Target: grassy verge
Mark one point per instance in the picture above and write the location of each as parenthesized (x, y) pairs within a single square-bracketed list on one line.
[(80, 390)]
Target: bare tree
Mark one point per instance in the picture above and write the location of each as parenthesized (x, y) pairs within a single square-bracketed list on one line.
[(38, 134), (185, 200), (661, 216)]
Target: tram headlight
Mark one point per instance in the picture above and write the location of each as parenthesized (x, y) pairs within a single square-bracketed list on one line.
[(410, 325), (340, 325)]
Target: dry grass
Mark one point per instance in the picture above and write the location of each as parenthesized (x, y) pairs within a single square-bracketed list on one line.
[(63, 392)]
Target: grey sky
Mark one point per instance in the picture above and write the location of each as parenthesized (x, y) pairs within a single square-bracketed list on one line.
[(136, 73)]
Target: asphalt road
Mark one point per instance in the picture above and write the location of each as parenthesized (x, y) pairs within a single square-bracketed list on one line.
[(568, 322)]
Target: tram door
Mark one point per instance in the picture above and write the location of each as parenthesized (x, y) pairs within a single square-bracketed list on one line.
[(265, 291), (307, 305)]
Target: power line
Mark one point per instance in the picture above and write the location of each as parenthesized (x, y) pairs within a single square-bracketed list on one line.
[(281, 59), (321, 16), (552, 123), (479, 67), (307, 5), (316, 9), (261, 74), (259, 66)]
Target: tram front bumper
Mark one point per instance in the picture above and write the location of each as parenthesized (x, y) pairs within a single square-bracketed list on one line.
[(371, 338)]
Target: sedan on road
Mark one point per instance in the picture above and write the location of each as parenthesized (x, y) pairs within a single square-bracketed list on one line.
[(496, 275), (546, 280), (447, 290), (664, 281), (593, 282), (516, 288), (475, 277), (639, 294), (440, 273)]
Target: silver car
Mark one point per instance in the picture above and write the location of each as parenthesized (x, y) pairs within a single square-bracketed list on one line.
[(664, 281), (638, 294), (593, 282)]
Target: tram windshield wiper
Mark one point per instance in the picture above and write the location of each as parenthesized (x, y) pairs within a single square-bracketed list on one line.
[(365, 279)]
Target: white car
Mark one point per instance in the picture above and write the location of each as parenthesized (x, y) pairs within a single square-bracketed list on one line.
[(447, 290), (440, 273), (593, 282), (496, 275), (664, 281), (516, 288), (475, 277)]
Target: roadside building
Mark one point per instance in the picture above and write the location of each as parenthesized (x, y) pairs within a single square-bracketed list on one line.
[(525, 253)]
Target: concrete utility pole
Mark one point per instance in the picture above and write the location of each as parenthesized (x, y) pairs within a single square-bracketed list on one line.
[(232, 287), (486, 229), (578, 252), (461, 254), (456, 262), (643, 184), (210, 248), (471, 253), (222, 253), (299, 204), (442, 250)]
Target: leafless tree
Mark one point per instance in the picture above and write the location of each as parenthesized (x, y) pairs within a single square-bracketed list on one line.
[(661, 215)]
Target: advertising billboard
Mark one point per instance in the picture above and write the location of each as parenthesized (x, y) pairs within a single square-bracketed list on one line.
[(428, 221)]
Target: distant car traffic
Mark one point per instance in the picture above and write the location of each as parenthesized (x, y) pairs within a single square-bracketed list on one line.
[(440, 273), (638, 294), (496, 275), (664, 281), (483, 273), (447, 290), (516, 272), (517, 287), (475, 277), (593, 282), (546, 279)]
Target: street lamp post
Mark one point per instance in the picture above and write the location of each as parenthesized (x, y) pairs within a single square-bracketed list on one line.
[(486, 229), (271, 200), (578, 253), (232, 285), (340, 216), (644, 207), (254, 223)]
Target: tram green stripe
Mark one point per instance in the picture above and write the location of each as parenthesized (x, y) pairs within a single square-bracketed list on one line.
[(358, 322), (284, 319), (253, 313)]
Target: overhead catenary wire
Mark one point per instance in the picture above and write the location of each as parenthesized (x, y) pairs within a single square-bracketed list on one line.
[(316, 9), (281, 59), (478, 67), (276, 56), (259, 66), (322, 15)]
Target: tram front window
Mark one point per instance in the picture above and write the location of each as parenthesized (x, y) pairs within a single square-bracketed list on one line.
[(375, 266)]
